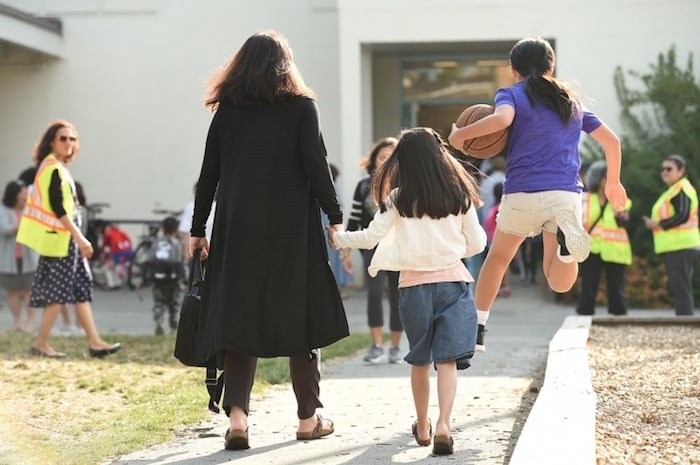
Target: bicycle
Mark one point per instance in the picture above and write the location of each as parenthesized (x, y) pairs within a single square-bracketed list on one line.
[(136, 276)]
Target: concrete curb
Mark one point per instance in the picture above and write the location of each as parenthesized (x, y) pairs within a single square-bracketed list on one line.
[(561, 425)]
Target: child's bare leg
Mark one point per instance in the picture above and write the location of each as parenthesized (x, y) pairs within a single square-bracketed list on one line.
[(561, 276), (420, 384), (501, 253), (446, 387)]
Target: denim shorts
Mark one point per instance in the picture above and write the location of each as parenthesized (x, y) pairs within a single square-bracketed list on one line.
[(440, 323), (526, 214)]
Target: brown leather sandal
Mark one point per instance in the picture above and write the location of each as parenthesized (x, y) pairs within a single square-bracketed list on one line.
[(318, 432), (419, 441), (443, 444), (236, 440)]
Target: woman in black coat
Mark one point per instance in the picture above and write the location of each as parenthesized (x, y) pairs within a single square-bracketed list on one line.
[(269, 290)]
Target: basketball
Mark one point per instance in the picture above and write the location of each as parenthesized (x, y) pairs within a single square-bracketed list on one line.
[(484, 146)]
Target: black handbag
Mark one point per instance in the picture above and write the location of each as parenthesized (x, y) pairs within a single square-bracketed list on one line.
[(186, 337)]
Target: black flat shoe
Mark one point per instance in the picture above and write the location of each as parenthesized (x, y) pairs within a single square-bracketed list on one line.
[(104, 352), (40, 353)]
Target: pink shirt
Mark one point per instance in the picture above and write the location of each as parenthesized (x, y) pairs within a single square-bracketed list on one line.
[(457, 273)]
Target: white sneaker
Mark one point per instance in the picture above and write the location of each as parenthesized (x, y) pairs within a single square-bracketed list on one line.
[(577, 240)]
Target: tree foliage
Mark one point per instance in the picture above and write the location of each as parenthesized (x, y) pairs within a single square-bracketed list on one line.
[(660, 116)]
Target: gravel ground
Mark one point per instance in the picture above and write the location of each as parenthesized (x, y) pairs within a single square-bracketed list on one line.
[(647, 379)]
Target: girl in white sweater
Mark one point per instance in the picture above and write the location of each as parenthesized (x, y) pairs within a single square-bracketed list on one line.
[(425, 225)]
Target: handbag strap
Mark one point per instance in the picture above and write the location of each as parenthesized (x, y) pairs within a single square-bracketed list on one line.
[(602, 210), (197, 269)]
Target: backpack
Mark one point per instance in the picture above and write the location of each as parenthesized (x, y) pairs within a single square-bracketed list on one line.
[(165, 260)]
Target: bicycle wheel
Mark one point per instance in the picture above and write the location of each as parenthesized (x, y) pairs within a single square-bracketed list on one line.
[(135, 276)]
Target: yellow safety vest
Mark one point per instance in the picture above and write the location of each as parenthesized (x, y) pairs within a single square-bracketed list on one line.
[(608, 240), (684, 236), (39, 227)]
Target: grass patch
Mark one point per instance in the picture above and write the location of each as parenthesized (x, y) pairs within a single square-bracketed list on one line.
[(91, 409)]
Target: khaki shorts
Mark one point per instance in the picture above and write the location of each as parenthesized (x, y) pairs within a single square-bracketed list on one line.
[(528, 214)]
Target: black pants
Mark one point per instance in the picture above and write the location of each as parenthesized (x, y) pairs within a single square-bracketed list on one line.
[(679, 271), (239, 374), (591, 270), (375, 294)]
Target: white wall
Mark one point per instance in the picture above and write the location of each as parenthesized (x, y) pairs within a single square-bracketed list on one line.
[(133, 72), (132, 79), (592, 38)]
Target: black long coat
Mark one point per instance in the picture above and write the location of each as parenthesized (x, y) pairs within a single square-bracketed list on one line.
[(269, 290)]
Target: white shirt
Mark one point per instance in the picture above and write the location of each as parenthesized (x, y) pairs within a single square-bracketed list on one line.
[(186, 219), (417, 244)]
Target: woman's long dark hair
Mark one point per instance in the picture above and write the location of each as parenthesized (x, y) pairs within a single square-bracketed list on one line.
[(43, 148), (429, 179), (532, 58), (262, 71)]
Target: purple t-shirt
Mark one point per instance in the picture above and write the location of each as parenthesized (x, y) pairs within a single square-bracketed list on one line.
[(542, 150)]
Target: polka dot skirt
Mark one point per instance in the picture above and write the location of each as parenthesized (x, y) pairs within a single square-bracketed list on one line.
[(63, 280)]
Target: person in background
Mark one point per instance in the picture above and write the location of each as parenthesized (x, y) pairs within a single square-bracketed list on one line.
[(611, 251), (17, 261), (674, 225), (164, 269), (426, 224), (269, 291), (363, 210), (51, 227), (117, 244), (186, 223), (335, 257)]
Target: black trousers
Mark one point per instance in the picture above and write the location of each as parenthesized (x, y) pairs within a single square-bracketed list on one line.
[(375, 295), (239, 374), (679, 271), (591, 270)]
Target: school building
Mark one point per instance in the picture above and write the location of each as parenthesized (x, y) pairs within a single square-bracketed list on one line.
[(132, 74)]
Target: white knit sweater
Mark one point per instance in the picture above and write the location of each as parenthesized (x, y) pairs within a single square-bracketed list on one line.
[(417, 244)]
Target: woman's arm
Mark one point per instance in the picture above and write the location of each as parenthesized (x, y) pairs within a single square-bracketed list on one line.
[(56, 202), (313, 157)]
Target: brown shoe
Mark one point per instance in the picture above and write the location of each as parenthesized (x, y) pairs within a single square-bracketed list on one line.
[(318, 432), (419, 441), (443, 444), (236, 440)]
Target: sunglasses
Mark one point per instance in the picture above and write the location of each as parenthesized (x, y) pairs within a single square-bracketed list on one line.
[(67, 138)]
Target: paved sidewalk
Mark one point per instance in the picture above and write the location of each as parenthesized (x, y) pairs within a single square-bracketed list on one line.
[(372, 405)]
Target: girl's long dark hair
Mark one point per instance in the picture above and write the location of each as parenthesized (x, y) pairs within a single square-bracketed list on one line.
[(532, 58), (429, 179), (262, 71)]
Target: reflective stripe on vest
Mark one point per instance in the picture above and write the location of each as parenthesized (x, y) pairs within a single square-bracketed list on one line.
[(681, 237), (39, 227), (608, 239)]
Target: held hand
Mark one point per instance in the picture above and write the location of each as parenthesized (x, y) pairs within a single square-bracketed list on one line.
[(198, 243), (332, 229), (649, 223), (616, 194), (622, 215)]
